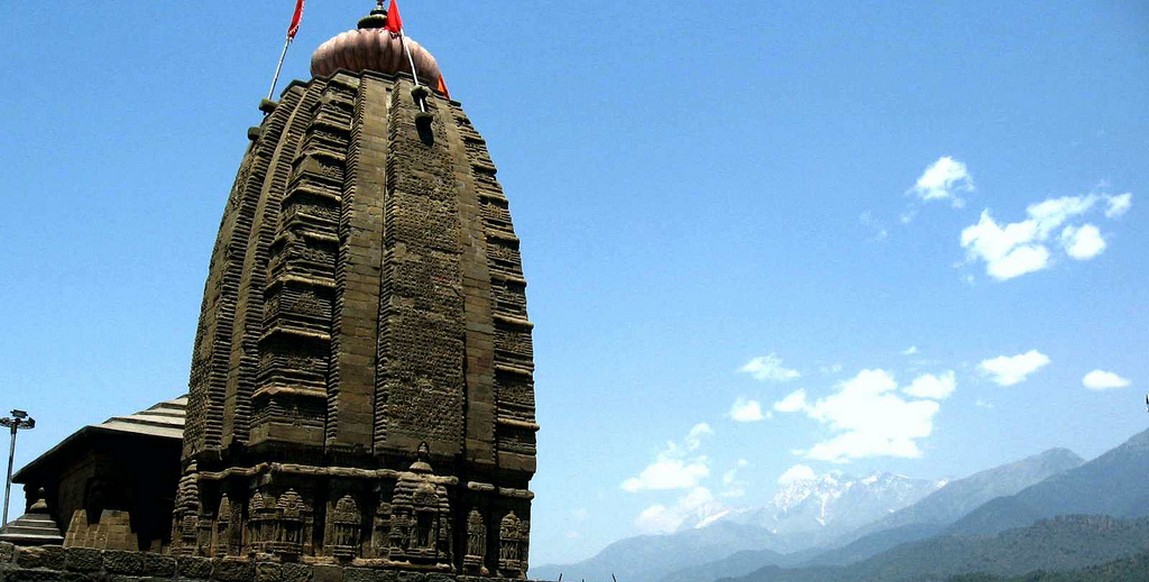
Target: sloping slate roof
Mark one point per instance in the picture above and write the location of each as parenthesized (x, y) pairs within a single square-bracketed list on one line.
[(165, 419)]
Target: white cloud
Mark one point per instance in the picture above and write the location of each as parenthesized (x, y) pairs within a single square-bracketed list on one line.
[(1082, 243), (745, 410), (697, 506), (870, 419), (1102, 380), (676, 466), (830, 370), (982, 403), (934, 387), (658, 519), (1008, 252), (732, 485), (910, 351), (793, 402), (1010, 370), (944, 179), (769, 369), (796, 473), (1118, 205), (694, 437), (1018, 248), (668, 474)]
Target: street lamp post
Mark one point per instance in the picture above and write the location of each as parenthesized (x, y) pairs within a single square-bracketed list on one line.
[(18, 421)]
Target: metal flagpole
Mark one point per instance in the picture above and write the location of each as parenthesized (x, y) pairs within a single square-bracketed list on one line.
[(410, 59), (278, 68)]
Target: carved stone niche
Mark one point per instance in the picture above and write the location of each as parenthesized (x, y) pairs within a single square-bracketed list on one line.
[(381, 536), (185, 517), (222, 536), (294, 517), (421, 516), (511, 559), (261, 522), (344, 527), (476, 544)]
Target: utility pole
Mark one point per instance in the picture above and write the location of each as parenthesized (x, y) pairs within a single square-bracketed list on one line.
[(18, 421)]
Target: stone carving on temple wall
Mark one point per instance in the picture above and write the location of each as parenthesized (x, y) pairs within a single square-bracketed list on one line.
[(511, 545), (293, 516), (223, 533), (476, 543), (381, 539), (344, 536), (185, 518), (421, 516)]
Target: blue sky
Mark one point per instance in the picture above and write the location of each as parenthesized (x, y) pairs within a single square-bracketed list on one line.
[(838, 236)]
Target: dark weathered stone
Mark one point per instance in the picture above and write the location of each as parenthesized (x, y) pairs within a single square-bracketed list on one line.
[(124, 562), (40, 575), (232, 570), (193, 567), (268, 572), (83, 559), (295, 573), (7, 552), (158, 565), (326, 573), (52, 557)]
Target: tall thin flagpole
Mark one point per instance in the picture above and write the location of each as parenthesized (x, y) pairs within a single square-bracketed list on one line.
[(278, 68), (296, 19), (410, 59)]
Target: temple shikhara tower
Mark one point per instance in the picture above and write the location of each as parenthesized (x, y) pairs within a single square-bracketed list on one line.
[(361, 387)]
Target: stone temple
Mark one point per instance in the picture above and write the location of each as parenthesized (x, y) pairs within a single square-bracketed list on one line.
[(361, 387)]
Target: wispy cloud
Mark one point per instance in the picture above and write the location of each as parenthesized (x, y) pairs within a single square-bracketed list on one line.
[(910, 351), (873, 225), (793, 402), (796, 473), (677, 466), (1011, 370), (945, 179), (1018, 248), (1102, 380), (695, 507), (745, 410), (769, 369), (732, 485), (1118, 205)]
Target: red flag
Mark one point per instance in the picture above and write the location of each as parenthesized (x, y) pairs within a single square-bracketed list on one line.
[(442, 88), (394, 22), (295, 20)]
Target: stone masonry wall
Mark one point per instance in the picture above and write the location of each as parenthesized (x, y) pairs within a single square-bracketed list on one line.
[(52, 563)]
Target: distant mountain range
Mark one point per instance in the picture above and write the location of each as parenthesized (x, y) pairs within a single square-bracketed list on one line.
[(1116, 483), (918, 521), (997, 537), (808, 512), (1062, 543), (1005, 521), (652, 557), (802, 514)]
